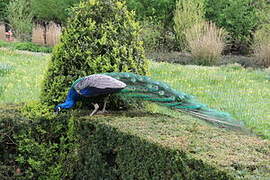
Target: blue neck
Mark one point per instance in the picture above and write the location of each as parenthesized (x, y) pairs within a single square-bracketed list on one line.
[(71, 99)]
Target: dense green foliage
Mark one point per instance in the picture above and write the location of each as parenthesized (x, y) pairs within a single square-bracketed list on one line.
[(19, 16), (187, 14), (157, 19), (101, 36), (52, 10), (3, 8), (26, 46), (10, 124), (159, 11), (36, 145), (239, 17), (113, 154)]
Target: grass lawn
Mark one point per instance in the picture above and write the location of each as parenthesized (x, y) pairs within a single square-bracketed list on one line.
[(242, 92), (22, 81)]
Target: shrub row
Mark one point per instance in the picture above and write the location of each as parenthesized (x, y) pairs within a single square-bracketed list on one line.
[(26, 46), (240, 18)]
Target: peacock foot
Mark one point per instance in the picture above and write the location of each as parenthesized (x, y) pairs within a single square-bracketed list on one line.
[(103, 112), (96, 106)]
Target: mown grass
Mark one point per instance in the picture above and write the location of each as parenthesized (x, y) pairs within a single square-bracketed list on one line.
[(244, 93), (21, 82)]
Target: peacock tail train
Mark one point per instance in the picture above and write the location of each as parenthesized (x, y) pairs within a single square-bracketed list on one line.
[(145, 88)]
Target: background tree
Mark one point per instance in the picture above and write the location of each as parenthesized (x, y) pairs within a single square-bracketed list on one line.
[(52, 10), (19, 16), (238, 17), (3, 9)]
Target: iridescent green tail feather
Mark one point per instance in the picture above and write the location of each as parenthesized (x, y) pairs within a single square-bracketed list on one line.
[(145, 88)]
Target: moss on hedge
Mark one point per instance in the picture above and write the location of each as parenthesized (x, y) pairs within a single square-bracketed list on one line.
[(125, 145)]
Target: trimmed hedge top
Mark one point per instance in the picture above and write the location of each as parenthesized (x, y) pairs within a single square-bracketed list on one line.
[(236, 154)]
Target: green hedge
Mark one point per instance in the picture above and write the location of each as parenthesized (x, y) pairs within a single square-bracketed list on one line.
[(109, 153), (11, 122), (126, 145), (101, 36)]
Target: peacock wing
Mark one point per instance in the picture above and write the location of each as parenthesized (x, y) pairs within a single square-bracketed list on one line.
[(99, 81)]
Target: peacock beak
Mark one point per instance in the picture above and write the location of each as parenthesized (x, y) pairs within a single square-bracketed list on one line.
[(57, 110)]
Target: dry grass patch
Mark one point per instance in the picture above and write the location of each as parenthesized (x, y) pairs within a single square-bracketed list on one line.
[(206, 42), (261, 46)]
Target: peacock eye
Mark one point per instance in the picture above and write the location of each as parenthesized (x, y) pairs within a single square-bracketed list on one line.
[(59, 109)]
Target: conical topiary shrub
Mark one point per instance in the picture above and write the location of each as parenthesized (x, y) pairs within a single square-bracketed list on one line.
[(101, 36)]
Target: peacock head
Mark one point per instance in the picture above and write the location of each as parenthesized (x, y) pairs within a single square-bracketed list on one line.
[(71, 100), (65, 105), (58, 108)]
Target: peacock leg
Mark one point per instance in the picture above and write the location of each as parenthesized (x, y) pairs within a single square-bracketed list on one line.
[(105, 103), (95, 110)]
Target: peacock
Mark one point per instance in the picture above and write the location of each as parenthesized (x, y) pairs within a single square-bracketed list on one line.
[(132, 85)]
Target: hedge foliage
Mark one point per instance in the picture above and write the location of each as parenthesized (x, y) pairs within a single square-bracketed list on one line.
[(101, 36), (36, 144)]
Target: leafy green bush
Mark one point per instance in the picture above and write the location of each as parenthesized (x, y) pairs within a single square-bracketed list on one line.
[(20, 18), (3, 9), (46, 145), (112, 154), (238, 17), (51, 10), (35, 144), (159, 15), (10, 124), (28, 46), (39, 145), (155, 39), (101, 36), (187, 14), (158, 11)]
